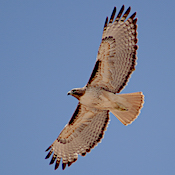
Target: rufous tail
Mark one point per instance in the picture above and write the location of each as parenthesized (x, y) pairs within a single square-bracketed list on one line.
[(133, 103)]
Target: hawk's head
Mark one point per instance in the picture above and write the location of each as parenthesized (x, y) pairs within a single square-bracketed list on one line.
[(77, 92)]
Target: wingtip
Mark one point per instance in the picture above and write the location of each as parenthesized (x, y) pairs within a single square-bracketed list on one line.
[(133, 15), (63, 166), (106, 23), (48, 149), (126, 14), (114, 10), (123, 6), (53, 159), (120, 13), (69, 164), (57, 164), (49, 154), (128, 10), (122, 9), (112, 15), (135, 20)]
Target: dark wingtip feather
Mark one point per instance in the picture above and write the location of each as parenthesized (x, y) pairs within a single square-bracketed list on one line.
[(133, 15), (120, 13), (122, 8), (69, 164), (106, 23), (53, 159), (128, 10), (57, 164), (75, 160), (49, 154), (126, 14), (48, 149), (135, 21), (63, 166), (112, 15)]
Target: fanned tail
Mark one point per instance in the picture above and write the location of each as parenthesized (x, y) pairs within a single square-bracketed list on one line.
[(133, 103)]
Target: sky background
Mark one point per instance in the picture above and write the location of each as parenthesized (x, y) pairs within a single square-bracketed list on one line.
[(50, 47)]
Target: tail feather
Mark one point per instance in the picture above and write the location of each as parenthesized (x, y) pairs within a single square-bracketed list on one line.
[(133, 103)]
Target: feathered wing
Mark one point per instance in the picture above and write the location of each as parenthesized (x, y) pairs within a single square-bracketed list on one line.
[(116, 60), (84, 131), (116, 57)]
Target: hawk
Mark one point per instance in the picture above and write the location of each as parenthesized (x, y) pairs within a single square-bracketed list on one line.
[(116, 60)]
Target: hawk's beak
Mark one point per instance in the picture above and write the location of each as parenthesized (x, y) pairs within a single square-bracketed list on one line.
[(69, 93)]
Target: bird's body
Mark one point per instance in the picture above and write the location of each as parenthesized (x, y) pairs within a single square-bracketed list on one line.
[(96, 97), (116, 60), (101, 99)]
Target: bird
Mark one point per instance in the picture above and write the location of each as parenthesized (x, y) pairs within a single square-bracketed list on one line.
[(115, 62)]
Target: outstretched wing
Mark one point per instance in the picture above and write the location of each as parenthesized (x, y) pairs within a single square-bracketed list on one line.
[(84, 131), (116, 57)]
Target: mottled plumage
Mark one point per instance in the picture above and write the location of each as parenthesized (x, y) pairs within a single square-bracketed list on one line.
[(115, 62)]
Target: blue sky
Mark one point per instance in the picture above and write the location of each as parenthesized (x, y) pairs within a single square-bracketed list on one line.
[(50, 47)]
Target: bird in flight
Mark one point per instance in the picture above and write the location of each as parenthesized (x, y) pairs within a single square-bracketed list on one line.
[(115, 62)]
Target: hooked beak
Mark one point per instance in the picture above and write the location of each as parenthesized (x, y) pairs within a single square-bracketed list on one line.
[(69, 93)]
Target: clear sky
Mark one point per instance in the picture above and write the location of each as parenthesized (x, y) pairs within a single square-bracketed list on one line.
[(50, 47)]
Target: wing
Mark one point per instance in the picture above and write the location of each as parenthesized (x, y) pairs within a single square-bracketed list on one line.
[(116, 57), (83, 132)]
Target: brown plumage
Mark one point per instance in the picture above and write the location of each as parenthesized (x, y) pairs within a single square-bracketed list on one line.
[(116, 60)]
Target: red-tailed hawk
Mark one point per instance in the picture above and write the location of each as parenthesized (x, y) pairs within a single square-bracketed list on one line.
[(115, 62)]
